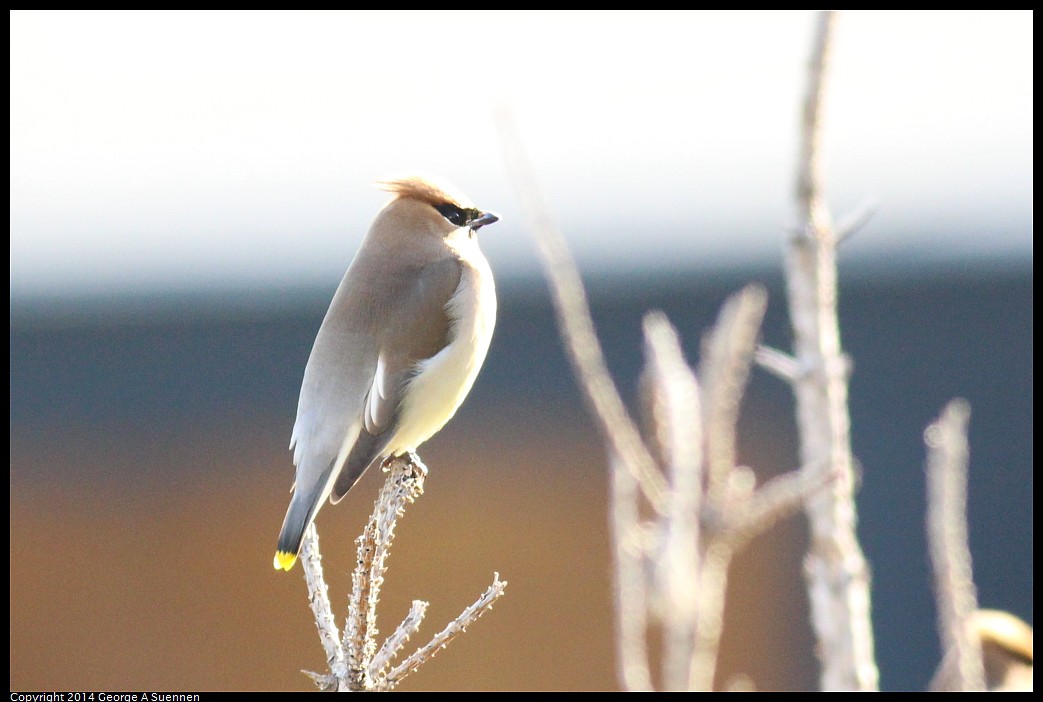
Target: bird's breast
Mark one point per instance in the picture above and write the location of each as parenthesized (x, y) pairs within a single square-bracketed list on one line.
[(443, 381)]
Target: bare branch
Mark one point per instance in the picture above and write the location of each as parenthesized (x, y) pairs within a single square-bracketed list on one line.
[(778, 363), (713, 580), (361, 625), (835, 568), (355, 664), (773, 501), (675, 405), (852, 223), (404, 484), (318, 596), (632, 600), (725, 369), (812, 210), (672, 567), (617, 428), (946, 441), (324, 681), (454, 629), (727, 355), (394, 643), (676, 417)]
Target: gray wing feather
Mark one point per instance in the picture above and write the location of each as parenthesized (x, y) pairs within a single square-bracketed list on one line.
[(421, 329), (375, 332), (366, 350)]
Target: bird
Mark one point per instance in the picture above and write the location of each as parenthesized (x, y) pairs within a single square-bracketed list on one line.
[(398, 350), (1006, 648)]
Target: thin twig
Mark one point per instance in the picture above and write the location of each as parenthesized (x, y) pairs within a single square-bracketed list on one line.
[(361, 625), (318, 596), (852, 224), (778, 363), (326, 682), (947, 452), (713, 580), (454, 629), (727, 355), (725, 369), (814, 217), (835, 569), (575, 324), (675, 406), (632, 600), (394, 643), (778, 498), (677, 422), (357, 636)]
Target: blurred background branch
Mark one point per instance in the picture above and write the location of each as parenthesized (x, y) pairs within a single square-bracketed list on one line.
[(671, 516), (947, 456), (574, 321), (835, 568)]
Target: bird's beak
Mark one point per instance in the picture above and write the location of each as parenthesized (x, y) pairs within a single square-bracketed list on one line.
[(486, 218)]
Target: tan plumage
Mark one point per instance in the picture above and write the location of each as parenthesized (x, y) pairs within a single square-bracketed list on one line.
[(1006, 649), (398, 350)]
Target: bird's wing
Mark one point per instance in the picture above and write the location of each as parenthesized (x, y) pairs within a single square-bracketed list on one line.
[(417, 327), (375, 332)]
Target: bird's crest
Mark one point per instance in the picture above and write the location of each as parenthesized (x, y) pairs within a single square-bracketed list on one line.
[(426, 189)]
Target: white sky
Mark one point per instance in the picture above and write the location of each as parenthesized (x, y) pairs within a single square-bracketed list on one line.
[(186, 149)]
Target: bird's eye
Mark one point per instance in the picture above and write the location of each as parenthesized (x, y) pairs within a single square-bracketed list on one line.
[(456, 215), (452, 213)]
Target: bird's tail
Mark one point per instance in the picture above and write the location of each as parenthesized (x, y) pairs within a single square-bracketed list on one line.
[(306, 502), (304, 505), (298, 517)]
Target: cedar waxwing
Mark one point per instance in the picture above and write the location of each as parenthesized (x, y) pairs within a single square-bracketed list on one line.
[(400, 347), (1006, 649)]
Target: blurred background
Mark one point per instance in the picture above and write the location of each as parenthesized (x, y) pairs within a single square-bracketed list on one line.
[(187, 189)]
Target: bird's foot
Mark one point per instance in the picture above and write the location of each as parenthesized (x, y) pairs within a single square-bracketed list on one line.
[(416, 463), (412, 462)]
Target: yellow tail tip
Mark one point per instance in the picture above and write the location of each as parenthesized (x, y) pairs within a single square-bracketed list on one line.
[(284, 561)]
